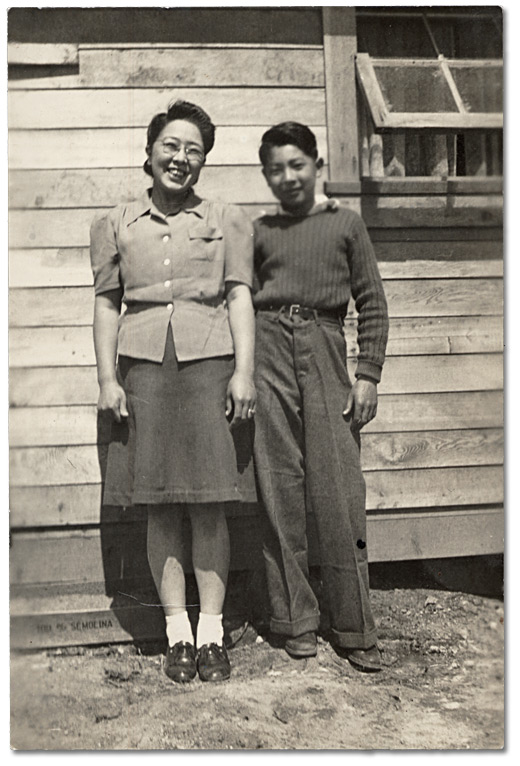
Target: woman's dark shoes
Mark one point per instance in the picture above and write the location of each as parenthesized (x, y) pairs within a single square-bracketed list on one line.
[(365, 660), (305, 645), (180, 662), (213, 663)]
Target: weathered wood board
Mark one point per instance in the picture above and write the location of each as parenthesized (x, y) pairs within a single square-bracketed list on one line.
[(128, 108), (73, 504), (59, 426), (125, 147), (110, 553), (69, 266), (44, 386), (65, 346), (274, 67), (83, 464), (48, 189), (62, 306), (69, 227)]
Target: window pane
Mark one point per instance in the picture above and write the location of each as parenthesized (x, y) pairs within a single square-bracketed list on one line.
[(415, 89), (385, 37), (480, 88), (470, 33), (479, 38)]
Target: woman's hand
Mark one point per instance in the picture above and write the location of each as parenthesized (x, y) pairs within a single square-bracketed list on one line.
[(240, 398), (112, 398), (361, 403), (241, 394)]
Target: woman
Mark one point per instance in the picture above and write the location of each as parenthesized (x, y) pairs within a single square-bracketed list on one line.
[(183, 390)]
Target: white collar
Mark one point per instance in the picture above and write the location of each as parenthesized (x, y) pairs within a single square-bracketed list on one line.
[(321, 203)]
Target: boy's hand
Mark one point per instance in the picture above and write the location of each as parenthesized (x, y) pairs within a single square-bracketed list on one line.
[(361, 403)]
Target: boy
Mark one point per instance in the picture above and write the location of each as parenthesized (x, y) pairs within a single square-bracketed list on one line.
[(310, 259)]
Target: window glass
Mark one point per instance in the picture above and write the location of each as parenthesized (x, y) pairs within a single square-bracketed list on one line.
[(475, 37), (430, 118), (480, 87), (408, 33), (432, 99), (415, 89), (394, 36)]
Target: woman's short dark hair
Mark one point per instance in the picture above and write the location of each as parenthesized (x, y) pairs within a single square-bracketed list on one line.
[(284, 133), (180, 110)]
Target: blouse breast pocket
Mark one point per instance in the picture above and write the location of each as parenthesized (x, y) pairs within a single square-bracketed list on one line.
[(206, 243)]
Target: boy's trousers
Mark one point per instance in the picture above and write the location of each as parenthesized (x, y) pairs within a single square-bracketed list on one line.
[(308, 461)]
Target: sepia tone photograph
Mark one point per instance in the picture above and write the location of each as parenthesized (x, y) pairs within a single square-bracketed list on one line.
[(287, 221)]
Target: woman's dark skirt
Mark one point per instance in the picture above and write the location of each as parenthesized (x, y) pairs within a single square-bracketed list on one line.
[(177, 446)]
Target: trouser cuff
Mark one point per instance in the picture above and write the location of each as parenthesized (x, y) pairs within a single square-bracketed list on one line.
[(347, 640), (296, 628)]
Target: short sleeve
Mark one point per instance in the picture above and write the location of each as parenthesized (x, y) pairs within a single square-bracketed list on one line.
[(104, 255), (238, 242)]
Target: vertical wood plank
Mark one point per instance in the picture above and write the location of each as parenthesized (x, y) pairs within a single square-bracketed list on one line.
[(414, 155), (494, 154), (394, 154), (451, 143), (437, 155), (375, 152), (339, 49), (475, 152), (363, 129)]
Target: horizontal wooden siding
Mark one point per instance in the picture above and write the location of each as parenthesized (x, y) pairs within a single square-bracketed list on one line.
[(433, 455)]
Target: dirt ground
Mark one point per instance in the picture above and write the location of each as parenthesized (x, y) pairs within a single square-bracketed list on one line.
[(441, 688)]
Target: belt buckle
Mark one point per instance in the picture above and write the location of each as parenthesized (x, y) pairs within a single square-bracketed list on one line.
[(294, 308)]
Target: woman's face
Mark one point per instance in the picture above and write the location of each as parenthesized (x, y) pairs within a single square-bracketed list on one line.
[(177, 158)]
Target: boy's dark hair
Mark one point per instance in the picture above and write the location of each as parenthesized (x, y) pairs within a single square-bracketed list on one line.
[(288, 133), (180, 110)]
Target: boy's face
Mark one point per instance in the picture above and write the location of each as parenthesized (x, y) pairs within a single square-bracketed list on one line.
[(291, 175)]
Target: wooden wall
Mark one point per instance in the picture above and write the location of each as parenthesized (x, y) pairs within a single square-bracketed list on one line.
[(76, 146), (432, 457)]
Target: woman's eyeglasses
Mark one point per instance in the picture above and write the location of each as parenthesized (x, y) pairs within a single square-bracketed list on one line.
[(172, 149)]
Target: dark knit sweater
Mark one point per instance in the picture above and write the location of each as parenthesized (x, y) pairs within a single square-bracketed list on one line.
[(321, 261)]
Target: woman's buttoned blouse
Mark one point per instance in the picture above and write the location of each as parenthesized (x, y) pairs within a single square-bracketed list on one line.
[(172, 270)]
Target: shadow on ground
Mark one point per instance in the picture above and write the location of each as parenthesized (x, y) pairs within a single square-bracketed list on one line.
[(477, 575)]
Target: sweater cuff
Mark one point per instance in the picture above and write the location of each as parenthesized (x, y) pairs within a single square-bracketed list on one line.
[(369, 370)]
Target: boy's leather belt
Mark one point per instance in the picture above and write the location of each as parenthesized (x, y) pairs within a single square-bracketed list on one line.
[(305, 313)]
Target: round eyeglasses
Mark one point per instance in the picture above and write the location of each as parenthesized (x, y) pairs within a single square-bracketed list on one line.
[(172, 149)]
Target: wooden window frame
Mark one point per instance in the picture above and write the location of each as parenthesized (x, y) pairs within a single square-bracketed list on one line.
[(419, 185), (385, 120)]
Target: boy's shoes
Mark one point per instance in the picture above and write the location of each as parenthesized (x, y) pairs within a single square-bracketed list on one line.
[(213, 663), (365, 660), (180, 662), (302, 646)]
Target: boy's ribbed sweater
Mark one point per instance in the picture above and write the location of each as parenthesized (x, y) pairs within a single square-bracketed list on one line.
[(321, 261)]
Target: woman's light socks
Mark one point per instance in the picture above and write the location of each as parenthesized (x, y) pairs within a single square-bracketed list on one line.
[(178, 628), (210, 630)]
